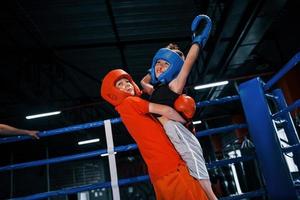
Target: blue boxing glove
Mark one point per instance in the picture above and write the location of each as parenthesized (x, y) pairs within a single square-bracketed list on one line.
[(201, 27)]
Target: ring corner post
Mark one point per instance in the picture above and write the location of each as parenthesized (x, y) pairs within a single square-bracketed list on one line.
[(274, 169), (289, 127)]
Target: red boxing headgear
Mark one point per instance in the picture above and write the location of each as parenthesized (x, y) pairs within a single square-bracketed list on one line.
[(111, 93)]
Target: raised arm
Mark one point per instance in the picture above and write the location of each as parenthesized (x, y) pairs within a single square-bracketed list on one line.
[(166, 111), (9, 130), (179, 82), (201, 27)]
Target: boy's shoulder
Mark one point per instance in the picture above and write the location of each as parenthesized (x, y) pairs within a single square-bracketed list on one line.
[(133, 104)]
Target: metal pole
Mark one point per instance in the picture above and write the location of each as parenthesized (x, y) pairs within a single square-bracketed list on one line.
[(278, 180), (288, 125), (11, 176), (47, 171)]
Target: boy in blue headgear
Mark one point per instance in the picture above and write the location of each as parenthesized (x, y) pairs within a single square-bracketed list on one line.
[(165, 84)]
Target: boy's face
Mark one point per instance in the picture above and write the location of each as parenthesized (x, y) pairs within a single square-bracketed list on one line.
[(160, 67), (125, 85)]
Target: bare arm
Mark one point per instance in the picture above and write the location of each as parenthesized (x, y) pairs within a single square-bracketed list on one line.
[(166, 111), (178, 83), (145, 83), (9, 130)]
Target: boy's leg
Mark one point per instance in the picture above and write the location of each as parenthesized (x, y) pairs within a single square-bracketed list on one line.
[(188, 147), (179, 185), (206, 185)]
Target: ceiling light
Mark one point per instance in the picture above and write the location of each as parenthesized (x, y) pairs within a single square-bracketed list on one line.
[(106, 154), (43, 115), (197, 122), (199, 87), (88, 141)]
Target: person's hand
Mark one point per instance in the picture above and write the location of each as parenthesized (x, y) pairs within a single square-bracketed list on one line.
[(33, 134), (148, 89)]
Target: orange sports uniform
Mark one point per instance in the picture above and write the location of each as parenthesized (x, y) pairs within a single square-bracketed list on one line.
[(168, 173), (154, 145)]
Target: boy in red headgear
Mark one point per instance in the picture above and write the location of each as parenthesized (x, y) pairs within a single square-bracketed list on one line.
[(168, 173)]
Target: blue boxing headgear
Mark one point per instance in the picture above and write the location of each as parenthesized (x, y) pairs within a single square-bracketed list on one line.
[(173, 70)]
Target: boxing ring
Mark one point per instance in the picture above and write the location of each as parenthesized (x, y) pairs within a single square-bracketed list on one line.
[(253, 94)]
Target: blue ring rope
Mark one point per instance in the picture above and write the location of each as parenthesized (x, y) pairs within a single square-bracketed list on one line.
[(116, 149), (291, 148), (66, 158), (218, 101), (99, 152), (287, 67), (89, 125), (72, 190), (59, 131), (220, 130), (291, 107)]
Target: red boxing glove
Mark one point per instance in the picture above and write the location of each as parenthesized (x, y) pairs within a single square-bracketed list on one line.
[(186, 105)]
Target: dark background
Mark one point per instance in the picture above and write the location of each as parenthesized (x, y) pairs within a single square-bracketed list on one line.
[(55, 53)]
